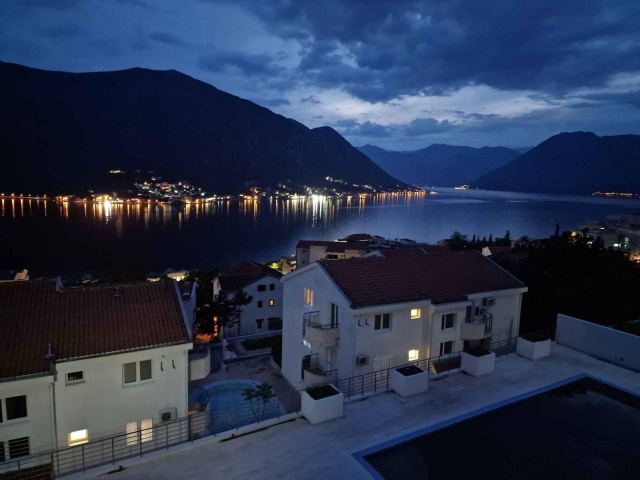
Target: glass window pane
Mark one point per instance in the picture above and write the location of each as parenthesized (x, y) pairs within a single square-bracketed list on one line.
[(131, 430), (386, 320), (145, 370), (78, 437), (130, 372), (19, 447), (146, 434), (1, 411), (16, 407), (377, 323)]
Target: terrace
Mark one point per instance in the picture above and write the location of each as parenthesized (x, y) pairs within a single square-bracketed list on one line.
[(328, 447)]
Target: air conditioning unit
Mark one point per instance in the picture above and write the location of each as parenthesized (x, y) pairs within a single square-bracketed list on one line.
[(481, 310), (168, 414), (362, 360), (489, 301)]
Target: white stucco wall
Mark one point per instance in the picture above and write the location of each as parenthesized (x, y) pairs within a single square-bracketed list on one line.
[(614, 346), (103, 404), (38, 425)]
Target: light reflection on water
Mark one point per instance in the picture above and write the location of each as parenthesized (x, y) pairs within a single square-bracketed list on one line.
[(50, 237)]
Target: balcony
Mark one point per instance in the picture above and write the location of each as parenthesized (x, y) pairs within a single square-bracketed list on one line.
[(477, 327), (314, 374), (317, 333)]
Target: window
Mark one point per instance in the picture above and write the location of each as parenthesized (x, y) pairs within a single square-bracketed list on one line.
[(274, 323), (78, 437), (262, 288), (333, 308), (259, 322), (75, 377), (308, 297), (414, 355), (382, 322), (448, 321), (142, 430), (272, 302), (446, 347), (272, 286), (14, 408), (17, 447), (136, 372), (259, 303), (415, 313)]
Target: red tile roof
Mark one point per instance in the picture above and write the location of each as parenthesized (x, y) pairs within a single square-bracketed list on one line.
[(83, 322), (332, 246), (414, 276), (244, 273)]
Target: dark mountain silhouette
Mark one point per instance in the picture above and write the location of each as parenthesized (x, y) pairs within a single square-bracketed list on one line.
[(62, 132), (577, 163), (441, 165)]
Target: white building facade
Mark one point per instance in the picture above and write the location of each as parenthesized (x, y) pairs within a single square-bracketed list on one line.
[(93, 363), (337, 326)]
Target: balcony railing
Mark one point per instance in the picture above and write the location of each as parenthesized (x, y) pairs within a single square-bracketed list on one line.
[(477, 327), (315, 332), (314, 374)]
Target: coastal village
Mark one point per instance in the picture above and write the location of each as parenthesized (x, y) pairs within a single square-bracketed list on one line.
[(96, 378)]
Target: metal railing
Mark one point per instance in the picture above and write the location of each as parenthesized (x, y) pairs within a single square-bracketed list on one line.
[(219, 417), (310, 364), (69, 460), (378, 381), (312, 319), (486, 319)]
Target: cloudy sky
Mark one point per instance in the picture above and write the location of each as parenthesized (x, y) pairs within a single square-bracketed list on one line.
[(399, 74)]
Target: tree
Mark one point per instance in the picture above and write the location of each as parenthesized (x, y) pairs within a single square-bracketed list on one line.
[(260, 395)]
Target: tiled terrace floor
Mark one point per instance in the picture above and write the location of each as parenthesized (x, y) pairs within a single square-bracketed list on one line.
[(301, 451)]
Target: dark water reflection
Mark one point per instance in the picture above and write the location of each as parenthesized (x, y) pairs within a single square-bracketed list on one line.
[(50, 238)]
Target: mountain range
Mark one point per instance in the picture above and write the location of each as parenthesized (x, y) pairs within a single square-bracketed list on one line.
[(62, 132), (571, 163), (441, 165)]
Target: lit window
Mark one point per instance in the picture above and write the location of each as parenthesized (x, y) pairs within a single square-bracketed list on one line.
[(414, 355), (272, 302), (139, 431), (308, 297), (78, 437), (75, 377), (382, 322), (448, 321), (415, 313), (132, 433), (146, 430)]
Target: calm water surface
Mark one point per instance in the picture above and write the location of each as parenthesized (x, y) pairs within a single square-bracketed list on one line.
[(50, 238)]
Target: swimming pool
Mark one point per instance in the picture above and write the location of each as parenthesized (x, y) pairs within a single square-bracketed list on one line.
[(578, 428), (228, 408)]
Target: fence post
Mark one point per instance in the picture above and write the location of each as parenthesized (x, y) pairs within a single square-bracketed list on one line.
[(113, 452), (83, 466), (361, 384), (140, 441), (19, 470), (190, 429), (166, 433), (53, 470)]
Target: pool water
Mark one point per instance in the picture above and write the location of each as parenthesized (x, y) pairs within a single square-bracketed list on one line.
[(228, 408), (582, 429)]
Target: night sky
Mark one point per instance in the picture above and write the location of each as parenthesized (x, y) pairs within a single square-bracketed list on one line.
[(398, 74)]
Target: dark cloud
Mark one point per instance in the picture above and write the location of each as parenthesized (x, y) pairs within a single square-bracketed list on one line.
[(311, 99), (167, 38), (250, 65), (408, 46), (420, 127)]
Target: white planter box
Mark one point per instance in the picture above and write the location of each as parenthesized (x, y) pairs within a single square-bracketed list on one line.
[(533, 350), (477, 366), (407, 385), (323, 409)]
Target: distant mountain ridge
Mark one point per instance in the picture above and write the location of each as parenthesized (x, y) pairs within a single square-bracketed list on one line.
[(572, 163), (64, 131), (440, 165)]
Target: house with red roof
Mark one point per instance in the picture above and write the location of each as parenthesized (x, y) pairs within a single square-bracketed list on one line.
[(77, 365), (262, 283), (352, 317)]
